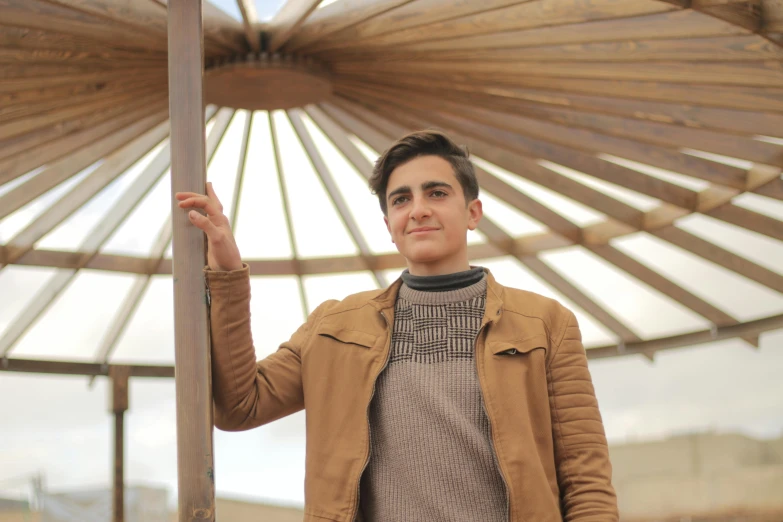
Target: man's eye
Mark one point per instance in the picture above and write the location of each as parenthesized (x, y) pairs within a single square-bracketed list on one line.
[(438, 193), (398, 200)]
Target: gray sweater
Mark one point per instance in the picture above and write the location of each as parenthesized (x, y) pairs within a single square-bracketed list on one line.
[(431, 455)]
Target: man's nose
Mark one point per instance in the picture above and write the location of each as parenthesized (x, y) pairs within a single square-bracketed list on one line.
[(420, 209)]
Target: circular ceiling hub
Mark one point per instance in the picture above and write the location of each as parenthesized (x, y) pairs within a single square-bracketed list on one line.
[(266, 82)]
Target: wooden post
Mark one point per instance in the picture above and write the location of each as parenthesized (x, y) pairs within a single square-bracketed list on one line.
[(119, 404), (195, 476)]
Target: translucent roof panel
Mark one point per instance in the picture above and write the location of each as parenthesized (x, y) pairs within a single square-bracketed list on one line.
[(318, 229), (623, 296), (261, 229), (740, 297), (90, 294)]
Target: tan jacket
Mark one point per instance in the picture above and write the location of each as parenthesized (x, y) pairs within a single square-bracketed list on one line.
[(546, 428)]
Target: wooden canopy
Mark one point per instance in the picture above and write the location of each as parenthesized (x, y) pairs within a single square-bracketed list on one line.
[(604, 102)]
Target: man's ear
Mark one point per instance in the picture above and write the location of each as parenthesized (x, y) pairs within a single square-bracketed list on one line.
[(475, 213), (386, 220)]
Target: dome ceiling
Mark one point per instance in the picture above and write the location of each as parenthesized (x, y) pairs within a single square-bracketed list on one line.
[(629, 154)]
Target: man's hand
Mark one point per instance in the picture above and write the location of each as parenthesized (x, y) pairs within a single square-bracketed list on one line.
[(222, 250)]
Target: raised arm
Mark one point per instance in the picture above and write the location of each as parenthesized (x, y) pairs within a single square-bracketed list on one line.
[(584, 472), (246, 393)]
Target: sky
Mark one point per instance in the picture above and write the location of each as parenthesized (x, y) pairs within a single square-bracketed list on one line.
[(60, 426)]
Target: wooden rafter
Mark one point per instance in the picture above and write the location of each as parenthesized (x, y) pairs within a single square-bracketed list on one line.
[(79, 144), (249, 22), (508, 98), (646, 140), (62, 169), (288, 20), (557, 148), (482, 20), (334, 192), (22, 135), (668, 24), (337, 16), (761, 99)]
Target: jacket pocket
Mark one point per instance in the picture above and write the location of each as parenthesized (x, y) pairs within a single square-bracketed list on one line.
[(519, 346), (347, 336)]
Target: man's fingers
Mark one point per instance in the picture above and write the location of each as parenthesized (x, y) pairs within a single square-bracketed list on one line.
[(202, 222), (211, 194), (202, 202)]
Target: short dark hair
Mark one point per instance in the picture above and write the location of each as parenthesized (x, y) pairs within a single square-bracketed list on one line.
[(424, 143)]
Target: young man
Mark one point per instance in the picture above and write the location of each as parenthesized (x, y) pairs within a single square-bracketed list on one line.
[(445, 397)]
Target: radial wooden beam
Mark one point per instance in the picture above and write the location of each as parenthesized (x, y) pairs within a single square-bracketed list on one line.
[(53, 100), (249, 21), (748, 219), (93, 143), (541, 120), (720, 256), (509, 98), (634, 49), (562, 133), (761, 99), (750, 74), (296, 263), (476, 19), (669, 24), (195, 449), (334, 17), (62, 169), (335, 195), (39, 14), (21, 141), (288, 20), (129, 306)]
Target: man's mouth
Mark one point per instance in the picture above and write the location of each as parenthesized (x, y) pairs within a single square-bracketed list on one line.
[(421, 230)]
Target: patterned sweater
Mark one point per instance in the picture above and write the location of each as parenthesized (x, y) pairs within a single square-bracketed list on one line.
[(431, 453)]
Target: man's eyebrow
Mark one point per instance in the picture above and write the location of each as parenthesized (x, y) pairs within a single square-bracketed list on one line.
[(405, 189), (434, 184)]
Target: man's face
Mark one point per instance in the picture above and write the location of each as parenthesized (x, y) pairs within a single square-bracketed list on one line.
[(427, 216)]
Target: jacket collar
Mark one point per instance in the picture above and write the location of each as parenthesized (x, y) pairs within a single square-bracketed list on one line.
[(494, 306)]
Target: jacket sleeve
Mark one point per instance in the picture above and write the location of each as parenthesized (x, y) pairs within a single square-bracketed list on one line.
[(246, 393), (584, 472)]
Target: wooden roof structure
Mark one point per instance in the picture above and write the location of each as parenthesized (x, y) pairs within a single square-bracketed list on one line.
[(587, 99)]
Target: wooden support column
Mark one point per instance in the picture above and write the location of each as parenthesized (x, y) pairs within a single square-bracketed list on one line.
[(195, 476), (119, 404)]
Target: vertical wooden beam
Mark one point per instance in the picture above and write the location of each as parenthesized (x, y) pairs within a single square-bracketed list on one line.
[(119, 404), (195, 461)]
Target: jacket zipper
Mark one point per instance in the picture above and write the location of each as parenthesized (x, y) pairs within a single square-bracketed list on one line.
[(491, 428), (369, 428)]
